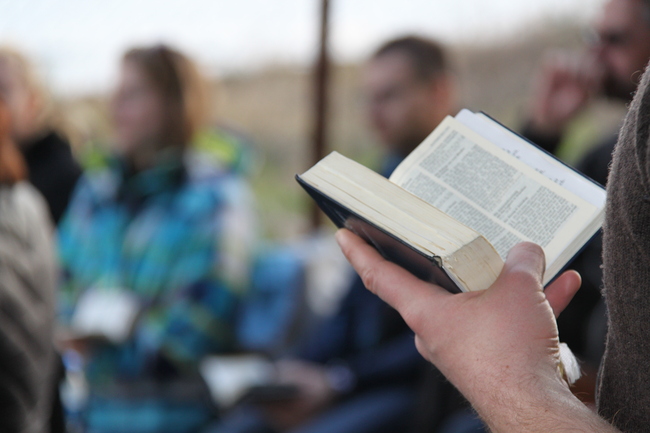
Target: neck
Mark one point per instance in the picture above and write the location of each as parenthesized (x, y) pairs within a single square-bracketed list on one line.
[(148, 157)]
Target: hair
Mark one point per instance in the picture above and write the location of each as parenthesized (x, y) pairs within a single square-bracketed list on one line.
[(181, 86), (26, 73), (12, 165), (427, 57)]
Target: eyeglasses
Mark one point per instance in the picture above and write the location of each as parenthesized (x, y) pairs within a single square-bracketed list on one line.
[(608, 38)]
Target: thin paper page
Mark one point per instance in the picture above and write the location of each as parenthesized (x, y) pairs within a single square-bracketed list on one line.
[(540, 161), (472, 180)]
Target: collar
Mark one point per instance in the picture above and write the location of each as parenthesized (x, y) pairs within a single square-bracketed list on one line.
[(167, 174)]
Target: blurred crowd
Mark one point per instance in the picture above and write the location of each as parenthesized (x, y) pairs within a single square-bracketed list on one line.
[(120, 277)]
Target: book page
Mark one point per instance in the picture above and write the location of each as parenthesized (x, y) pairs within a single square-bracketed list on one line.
[(480, 185), (533, 157), (229, 376), (108, 312)]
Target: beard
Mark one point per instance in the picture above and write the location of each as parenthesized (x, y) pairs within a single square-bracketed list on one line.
[(620, 90), (408, 141)]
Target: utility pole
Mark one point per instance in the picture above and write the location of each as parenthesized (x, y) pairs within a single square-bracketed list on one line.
[(321, 93)]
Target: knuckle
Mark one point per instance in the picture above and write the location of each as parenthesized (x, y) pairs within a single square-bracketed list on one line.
[(369, 277), (524, 277), (413, 317), (418, 318), (421, 348)]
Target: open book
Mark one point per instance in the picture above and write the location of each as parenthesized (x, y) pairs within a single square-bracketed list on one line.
[(104, 314), (234, 379), (455, 206)]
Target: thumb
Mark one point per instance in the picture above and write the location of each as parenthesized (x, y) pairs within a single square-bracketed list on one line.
[(524, 267)]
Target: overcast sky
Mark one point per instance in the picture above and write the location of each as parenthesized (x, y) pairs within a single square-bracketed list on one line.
[(77, 42)]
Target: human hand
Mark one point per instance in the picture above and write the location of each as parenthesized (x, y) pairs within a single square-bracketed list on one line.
[(314, 394), (84, 345), (498, 345), (563, 88)]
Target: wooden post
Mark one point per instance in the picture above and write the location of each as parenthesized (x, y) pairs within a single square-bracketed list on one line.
[(321, 92)]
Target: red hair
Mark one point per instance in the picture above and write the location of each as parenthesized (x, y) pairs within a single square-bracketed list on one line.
[(12, 165)]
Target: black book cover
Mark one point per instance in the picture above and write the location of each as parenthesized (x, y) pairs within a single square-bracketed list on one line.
[(427, 268)]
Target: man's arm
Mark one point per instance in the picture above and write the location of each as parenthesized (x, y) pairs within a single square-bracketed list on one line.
[(499, 347)]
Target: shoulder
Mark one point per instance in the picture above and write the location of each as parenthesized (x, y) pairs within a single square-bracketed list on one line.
[(27, 291), (22, 206), (227, 147), (26, 235)]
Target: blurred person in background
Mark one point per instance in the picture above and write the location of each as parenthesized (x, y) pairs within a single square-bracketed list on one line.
[(51, 167), (565, 87), (165, 232), (27, 295), (359, 371), (409, 89)]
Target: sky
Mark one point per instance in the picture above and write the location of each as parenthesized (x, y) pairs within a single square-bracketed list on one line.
[(77, 43)]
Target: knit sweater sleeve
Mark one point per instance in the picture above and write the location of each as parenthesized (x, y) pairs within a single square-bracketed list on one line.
[(623, 391), (27, 291)]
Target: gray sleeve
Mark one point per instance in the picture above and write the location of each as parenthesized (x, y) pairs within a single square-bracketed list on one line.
[(27, 290)]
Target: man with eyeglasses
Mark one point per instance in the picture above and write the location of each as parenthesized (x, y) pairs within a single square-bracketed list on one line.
[(568, 82), (619, 51), (359, 371), (409, 88)]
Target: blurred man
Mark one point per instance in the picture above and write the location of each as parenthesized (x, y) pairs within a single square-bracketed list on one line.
[(409, 89), (612, 68), (567, 84), (359, 371)]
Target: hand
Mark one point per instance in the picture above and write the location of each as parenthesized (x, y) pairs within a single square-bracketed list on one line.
[(499, 347), (66, 339), (315, 394), (564, 87)]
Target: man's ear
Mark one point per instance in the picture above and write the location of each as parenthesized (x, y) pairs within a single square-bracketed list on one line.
[(443, 94), (443, 90)]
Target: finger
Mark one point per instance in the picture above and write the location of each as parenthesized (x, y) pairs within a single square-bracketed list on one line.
[(392, 283), (524, 268), (560, 292)]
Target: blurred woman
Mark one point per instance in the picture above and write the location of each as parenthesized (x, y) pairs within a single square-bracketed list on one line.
[(27, 284), (51, 167), (164, 231)]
